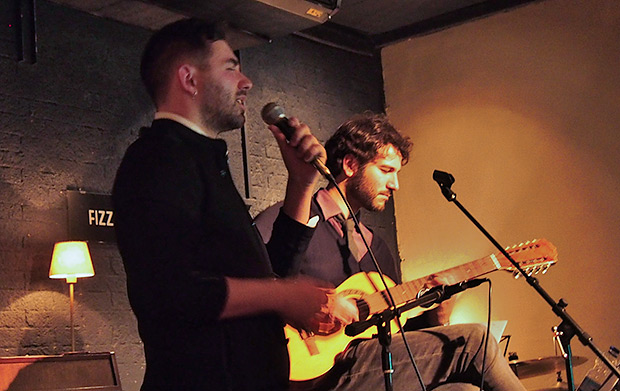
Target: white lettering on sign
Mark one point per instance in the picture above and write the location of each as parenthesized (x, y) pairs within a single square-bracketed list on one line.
[(102, 218)]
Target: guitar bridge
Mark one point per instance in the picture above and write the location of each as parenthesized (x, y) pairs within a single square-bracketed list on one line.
[(308, 339)]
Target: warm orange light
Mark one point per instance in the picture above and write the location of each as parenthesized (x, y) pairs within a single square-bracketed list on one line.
[(71, 260)]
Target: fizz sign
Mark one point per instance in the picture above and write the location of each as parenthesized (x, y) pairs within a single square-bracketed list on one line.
[(101, 218), (91, 216)]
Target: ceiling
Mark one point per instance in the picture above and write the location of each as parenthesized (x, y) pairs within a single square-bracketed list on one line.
[(362, 26)]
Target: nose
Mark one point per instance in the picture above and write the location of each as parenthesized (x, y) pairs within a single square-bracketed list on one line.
[(393, 182), (245, 83)]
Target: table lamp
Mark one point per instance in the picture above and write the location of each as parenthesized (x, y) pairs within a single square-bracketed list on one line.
[(71, 260)]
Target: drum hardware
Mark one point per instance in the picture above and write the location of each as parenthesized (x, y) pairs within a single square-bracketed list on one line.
[(541, 366)]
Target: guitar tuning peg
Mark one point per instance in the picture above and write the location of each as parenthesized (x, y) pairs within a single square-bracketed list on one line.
[(529, 271), (546, 268), (516, 274)]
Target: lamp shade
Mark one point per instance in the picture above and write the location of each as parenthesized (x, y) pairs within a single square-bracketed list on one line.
[(71, 260)]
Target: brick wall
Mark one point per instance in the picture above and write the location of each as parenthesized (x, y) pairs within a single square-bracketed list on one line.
[(65, 122)]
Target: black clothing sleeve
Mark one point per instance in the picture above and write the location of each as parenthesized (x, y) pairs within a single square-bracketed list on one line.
[(286, 255)]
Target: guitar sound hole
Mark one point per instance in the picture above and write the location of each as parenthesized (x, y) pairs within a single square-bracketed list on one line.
[(363, 309)]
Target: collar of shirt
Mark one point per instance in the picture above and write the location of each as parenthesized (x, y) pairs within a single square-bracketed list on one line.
[(330, 210), (184, 121), (328, 205)]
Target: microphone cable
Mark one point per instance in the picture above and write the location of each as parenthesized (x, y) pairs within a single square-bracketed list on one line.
[(389, 299)]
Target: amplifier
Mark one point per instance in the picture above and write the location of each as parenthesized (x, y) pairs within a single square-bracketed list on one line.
[(66, 372)]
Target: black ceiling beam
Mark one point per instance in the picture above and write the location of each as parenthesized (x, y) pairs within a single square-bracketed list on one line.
[(341, 37), (26, 33), (446, 20)]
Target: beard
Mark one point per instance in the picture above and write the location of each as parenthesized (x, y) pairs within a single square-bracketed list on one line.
[(220, 110), (365, 193)]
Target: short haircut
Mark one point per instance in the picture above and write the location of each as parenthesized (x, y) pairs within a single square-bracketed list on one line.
[(186, 38), (363, 136)]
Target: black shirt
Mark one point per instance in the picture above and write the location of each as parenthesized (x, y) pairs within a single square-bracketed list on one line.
[(182, 228)]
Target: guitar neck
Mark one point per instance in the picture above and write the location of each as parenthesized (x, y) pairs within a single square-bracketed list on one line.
[(408, 291)]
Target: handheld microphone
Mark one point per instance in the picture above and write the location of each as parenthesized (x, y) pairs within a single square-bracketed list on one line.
[(273, 114)]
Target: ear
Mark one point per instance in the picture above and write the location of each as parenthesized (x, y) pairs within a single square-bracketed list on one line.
[(186, 75), (350, 165)]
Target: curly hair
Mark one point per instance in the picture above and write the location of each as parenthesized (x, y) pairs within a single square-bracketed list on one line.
[(363, 136), (186, 38)]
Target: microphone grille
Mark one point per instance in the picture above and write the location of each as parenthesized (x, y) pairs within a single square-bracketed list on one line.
[(271, 113)]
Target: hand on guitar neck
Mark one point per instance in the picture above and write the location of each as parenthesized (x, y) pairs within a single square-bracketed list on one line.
[(440, 315)]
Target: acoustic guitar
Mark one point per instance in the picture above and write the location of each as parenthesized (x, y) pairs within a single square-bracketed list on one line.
[(313, 355)]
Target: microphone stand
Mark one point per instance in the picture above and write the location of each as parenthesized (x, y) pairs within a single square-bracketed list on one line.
[(568, 328), (382, 322)]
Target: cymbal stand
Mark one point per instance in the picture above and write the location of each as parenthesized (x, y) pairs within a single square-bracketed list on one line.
[(568, 327), (562, 341)]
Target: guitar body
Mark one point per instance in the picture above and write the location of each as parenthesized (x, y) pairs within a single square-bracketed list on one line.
[(314, 355)]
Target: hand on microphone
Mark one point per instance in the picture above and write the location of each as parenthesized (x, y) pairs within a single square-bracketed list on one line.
[(274, 115), (299, 152), (302, 154)]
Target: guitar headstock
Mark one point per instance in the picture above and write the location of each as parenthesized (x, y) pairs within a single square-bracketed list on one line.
[(534, 257)]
